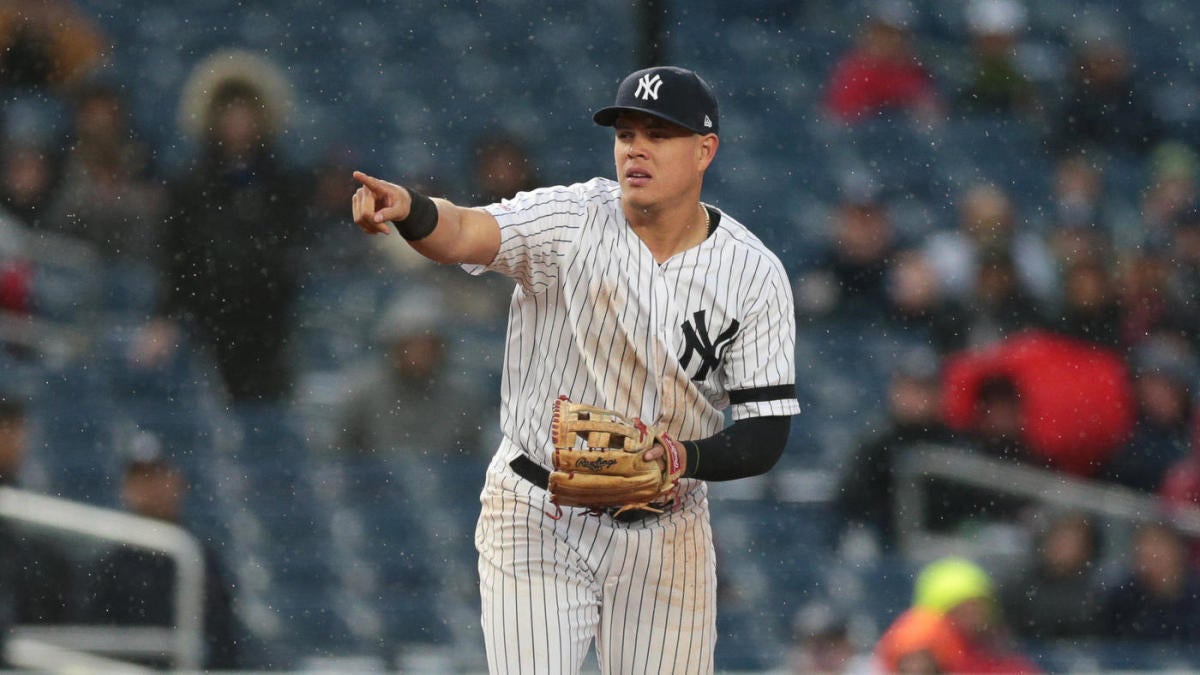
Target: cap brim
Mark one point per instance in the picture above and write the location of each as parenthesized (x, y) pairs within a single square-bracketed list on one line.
[(607, 117)]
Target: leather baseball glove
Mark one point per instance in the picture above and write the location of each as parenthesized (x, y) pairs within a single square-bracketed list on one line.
[(599, 464)]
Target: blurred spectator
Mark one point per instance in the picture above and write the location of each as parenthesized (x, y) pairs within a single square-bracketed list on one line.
[(852, 274), (987, 221), (1055, 597), (28, 175), (1180, 486), (502, 167), (881, 72), (1154, 294), (47, 43), (131, 586), (996, 84), (328, 251), (955, 623), (1090, 309), (1082, 216), (920, 641), (999, 419), (1159, 597), (1078, 191), (1184, 276), (107, 195), (16, 285), (43, 591), (823, 642), (1000, 305), (917, 305), (14, 440), (1164, 371), (1074, 404), (235, 223), (997, 432), (1104, 108), (1071, 244), (866, 486), (1170, 193), (392, 403)]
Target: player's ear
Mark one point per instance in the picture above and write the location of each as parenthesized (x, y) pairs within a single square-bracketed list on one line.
[(706, 150)]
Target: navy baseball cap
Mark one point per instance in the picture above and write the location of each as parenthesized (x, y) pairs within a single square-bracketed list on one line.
[(674, 94)]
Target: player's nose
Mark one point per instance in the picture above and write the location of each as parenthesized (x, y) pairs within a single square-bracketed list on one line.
[(635, 146)]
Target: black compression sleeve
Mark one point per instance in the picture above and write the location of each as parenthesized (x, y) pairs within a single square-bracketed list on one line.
[(746, 448)]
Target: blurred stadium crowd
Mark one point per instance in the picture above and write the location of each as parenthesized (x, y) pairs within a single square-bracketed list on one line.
[(990, 211)]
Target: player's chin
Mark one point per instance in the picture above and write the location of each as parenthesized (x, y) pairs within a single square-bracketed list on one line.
[(637, 196)]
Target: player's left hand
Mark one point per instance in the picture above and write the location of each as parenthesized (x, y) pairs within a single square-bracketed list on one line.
[(658, 452)]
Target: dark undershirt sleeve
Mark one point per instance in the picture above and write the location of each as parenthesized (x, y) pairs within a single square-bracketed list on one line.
[(748, 447)]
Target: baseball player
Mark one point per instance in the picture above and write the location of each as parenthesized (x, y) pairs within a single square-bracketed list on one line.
[(633, 295)]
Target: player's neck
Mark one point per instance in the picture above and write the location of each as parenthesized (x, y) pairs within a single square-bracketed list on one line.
[(669, 230)]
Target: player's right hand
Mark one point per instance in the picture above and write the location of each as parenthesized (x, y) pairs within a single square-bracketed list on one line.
[(376, 202)]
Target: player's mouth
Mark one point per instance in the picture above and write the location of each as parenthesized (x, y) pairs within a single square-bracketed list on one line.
[(637, 177)]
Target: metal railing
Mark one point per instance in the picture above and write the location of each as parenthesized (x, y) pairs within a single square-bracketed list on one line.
[(947, 463), (183, 642)]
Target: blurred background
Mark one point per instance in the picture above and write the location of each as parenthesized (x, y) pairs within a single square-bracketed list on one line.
[(988, 209)]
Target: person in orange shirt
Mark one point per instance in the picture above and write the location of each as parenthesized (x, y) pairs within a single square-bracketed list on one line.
[(954, 626)]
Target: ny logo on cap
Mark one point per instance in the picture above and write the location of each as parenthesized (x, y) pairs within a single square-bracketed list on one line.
[(648, 87)]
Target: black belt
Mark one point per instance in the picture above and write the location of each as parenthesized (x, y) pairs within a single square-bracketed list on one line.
[(538, 475), (530, 470)]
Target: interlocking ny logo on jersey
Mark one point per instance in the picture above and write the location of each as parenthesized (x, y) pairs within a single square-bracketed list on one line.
[(648, 87), (698, 342)]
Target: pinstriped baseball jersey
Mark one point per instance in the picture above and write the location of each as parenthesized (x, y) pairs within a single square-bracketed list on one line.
[(597, 318)]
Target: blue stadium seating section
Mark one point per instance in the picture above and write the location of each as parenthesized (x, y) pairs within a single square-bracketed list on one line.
[(362, 555)]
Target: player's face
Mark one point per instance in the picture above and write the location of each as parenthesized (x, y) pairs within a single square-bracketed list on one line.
[(659, 162)]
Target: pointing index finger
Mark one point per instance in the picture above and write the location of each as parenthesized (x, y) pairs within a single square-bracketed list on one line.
[(369, 181)]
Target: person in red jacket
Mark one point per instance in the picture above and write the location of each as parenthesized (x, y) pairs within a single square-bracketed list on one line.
[(881, 71)]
